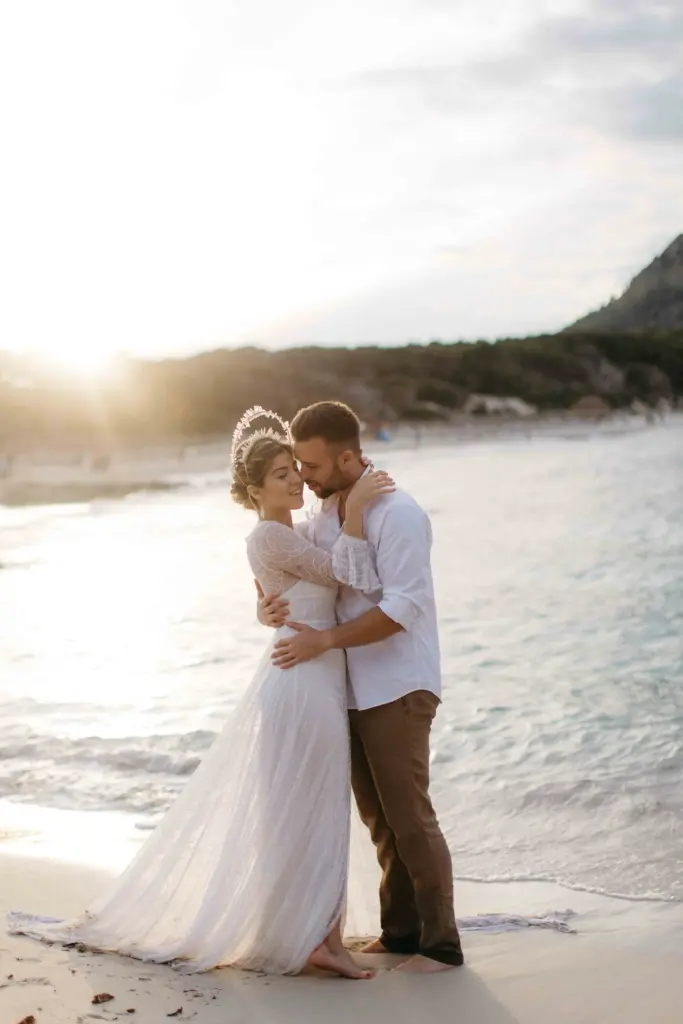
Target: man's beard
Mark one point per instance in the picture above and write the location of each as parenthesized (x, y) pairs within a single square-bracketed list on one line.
[(330, 489), (323, 493)]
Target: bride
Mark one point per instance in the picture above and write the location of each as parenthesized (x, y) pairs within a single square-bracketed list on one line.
[(249, 867)]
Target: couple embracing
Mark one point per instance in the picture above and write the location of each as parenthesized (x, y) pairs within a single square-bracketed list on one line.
[(250, 865)]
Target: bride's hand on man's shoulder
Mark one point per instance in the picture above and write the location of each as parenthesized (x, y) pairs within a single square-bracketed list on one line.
[(371, 486)]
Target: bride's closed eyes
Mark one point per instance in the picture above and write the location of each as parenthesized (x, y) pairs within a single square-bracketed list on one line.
[(285, 471)]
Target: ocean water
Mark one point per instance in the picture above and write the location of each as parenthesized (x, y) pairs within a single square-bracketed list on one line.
[(128, 632)]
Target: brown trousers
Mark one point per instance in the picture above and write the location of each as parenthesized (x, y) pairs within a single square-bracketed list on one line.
[(390, 775)]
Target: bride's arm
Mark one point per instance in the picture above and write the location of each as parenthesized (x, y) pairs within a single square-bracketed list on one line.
[(305, 528), (273, 546), (273, 610), (403, 560)]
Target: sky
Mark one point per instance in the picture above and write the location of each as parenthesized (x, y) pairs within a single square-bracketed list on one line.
[(179, 175)]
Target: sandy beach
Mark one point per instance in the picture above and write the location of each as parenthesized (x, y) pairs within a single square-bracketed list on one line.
[(618, 968)]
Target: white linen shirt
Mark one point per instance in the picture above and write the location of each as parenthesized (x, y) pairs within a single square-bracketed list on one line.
[(399, 534)]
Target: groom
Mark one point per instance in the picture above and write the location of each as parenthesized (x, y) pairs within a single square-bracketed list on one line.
[(392, 652)]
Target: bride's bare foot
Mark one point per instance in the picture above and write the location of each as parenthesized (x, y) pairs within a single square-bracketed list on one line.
[(374, 947), (338, 961), (423, 965)]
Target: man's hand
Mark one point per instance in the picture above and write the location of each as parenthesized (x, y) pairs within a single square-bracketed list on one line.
[(308, 643), (272, 609)]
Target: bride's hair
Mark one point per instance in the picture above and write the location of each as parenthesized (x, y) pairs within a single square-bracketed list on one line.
[(251, 466)]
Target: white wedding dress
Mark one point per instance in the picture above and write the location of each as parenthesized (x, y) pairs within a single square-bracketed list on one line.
[(249, 867)]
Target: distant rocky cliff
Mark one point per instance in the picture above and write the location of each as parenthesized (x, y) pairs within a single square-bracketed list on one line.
[(205, 395), (652, 302), (630, 351)]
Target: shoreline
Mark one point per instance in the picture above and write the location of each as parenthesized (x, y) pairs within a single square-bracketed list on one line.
[(102, 844), (31, 494), (609, 972), (107, 840), (176, 467)]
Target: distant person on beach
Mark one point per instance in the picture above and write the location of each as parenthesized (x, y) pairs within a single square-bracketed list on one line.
[(392, 651)]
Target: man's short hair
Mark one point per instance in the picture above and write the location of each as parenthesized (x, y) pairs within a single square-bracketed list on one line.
[(334, 422)]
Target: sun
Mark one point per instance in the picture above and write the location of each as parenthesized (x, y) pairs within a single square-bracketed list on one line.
[(86, 363)]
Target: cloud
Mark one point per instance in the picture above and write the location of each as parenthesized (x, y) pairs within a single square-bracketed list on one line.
[(627, 27), (186, 175), (644, 113), (626, 62), (615, 67)]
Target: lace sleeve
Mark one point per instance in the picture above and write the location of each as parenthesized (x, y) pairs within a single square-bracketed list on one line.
[(273, 547), (304, 528)]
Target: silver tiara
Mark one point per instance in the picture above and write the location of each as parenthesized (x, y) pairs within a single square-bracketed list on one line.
[(241, 444)]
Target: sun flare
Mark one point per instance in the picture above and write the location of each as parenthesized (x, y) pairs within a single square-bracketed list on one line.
[(79, 362)]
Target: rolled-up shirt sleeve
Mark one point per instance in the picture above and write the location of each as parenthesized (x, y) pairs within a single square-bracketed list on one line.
[(403, 563)]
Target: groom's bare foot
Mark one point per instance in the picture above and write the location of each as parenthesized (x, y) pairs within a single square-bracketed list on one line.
[(423, 965), (374, 947), (338, 961)]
